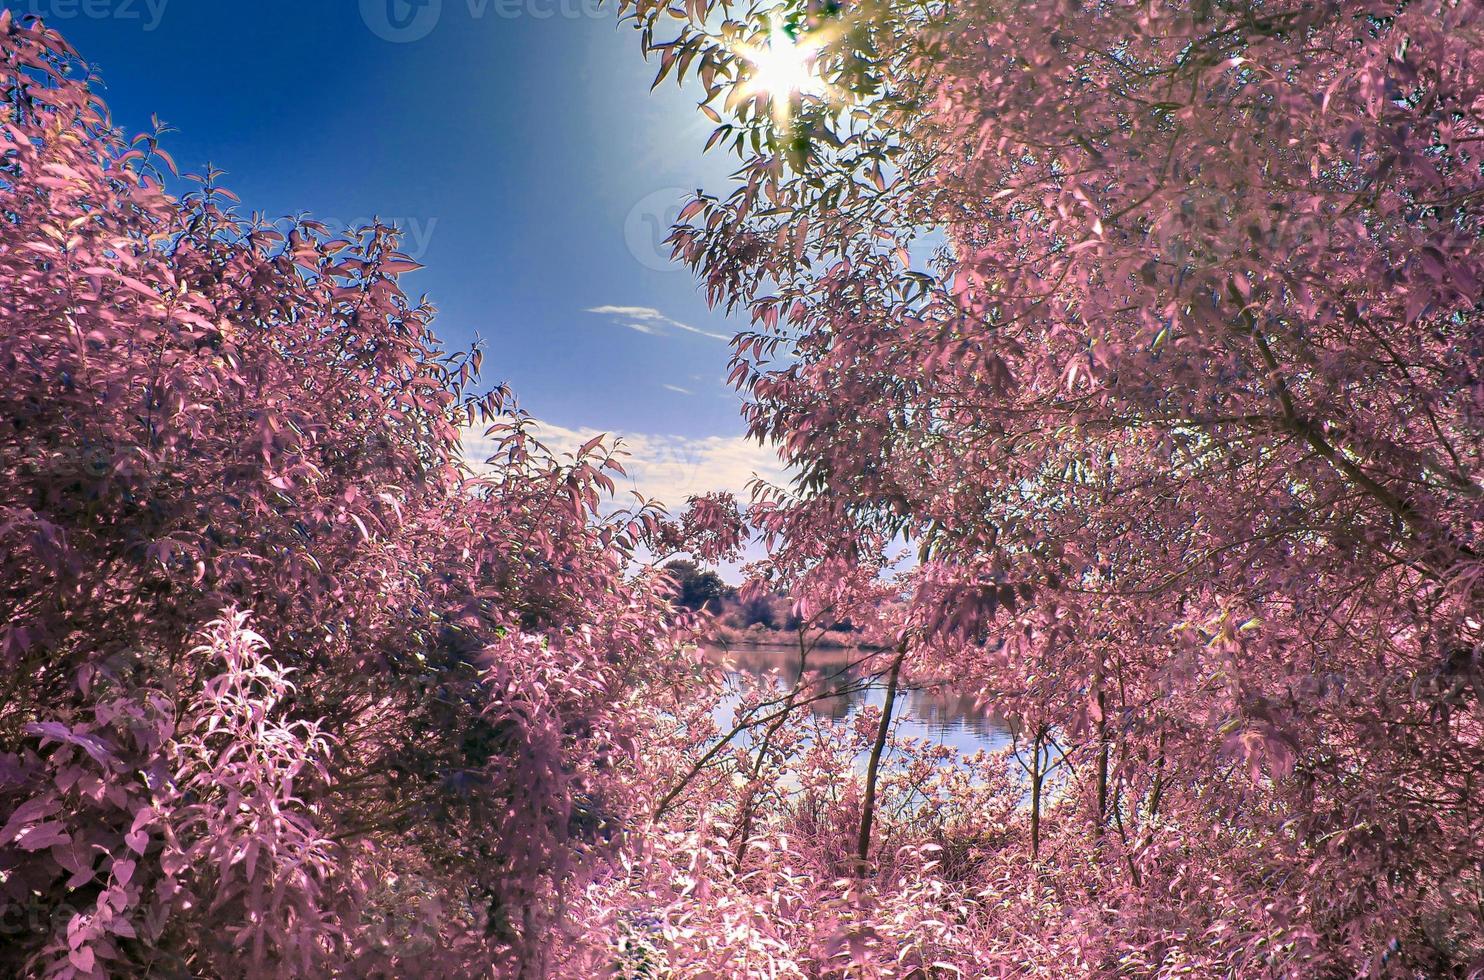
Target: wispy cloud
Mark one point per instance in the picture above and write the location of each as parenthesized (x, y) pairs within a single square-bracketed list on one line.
[(677, 389), (668, 468), (647, 319)]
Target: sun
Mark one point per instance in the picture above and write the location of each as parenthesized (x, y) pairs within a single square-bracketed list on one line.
[(781, 69)]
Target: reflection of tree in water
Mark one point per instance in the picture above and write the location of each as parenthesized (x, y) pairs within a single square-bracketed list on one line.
[(834, 684), (837, 683), (942, 711), (844, 688)]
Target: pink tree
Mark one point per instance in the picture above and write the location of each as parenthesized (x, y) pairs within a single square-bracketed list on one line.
[(288, 688), (1157, 328)]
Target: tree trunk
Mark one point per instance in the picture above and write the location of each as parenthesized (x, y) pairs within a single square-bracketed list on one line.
[(873, 768), (1102, 702), (1036, 776)]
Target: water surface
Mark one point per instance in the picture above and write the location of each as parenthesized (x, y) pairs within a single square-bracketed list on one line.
[(925, 711)]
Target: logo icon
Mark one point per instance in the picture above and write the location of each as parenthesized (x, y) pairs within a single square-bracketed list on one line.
[(648, 225), (401, 21)]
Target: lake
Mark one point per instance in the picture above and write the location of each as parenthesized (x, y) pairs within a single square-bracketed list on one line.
[(925, 711)]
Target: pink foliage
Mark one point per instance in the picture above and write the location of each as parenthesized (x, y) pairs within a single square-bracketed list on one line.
[(1128, 359), (1155, 330), (288, 687)]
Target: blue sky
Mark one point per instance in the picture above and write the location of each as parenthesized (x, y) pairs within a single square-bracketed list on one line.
[(517, 144)]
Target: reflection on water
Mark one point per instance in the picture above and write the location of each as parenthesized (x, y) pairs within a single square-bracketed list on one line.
[(838, 685)]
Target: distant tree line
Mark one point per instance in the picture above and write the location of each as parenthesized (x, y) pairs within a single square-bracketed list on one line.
[(697, 588)]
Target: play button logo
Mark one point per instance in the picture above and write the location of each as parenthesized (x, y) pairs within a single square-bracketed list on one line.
[(401, 21)]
